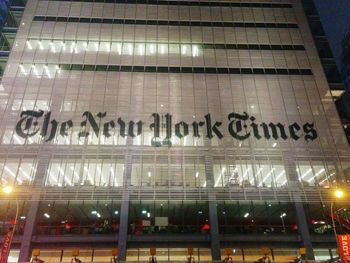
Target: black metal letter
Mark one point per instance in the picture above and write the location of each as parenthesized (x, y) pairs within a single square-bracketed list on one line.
[(310, 132), (234, 131), (214, 128), (255, 128), (178, 129), (29, 117), (293, 129), (106, 126), (65, 126), (155, 127)]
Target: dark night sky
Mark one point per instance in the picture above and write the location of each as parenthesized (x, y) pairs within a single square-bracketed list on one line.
[(335, 17)]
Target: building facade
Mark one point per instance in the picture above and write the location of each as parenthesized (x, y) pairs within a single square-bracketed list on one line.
[(346, 59), (169, 124), (321, 18), (10, 16)]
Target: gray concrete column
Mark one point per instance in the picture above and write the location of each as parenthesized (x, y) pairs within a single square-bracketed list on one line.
[(123, 230), (214, 231), (124, 209), (213, 214), (303, 229), (26, 248)]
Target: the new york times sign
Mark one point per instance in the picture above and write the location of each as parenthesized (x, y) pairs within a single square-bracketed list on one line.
[(240, 126)]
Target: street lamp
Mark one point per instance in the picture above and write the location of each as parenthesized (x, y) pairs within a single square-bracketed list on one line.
[(282, 216), (338, 194), (9, 190)]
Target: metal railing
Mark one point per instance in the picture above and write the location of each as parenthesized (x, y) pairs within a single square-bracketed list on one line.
[(80, 193), (220, 261)]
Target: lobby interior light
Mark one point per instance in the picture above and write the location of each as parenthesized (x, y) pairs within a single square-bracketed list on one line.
[(246, 215), (116, 212), (47, 215), (283, 215)]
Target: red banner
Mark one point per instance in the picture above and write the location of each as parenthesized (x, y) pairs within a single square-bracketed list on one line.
[(5, 249), (344, 248)]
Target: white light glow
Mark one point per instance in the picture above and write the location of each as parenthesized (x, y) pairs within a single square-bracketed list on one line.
[(52, 47), (29, 45), (58, 69), (152, 48), (184, 49), (267, 176), (130, 49), (317, 174), (47, 72), (306, 173), (244, 175), (280, 175), (328, 177), (9, 171), (63, 46), (25, 174), (219, 178), (141, 50), (257, 174), (53, 177), (195, 51), (15, 137), (162, 49)]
